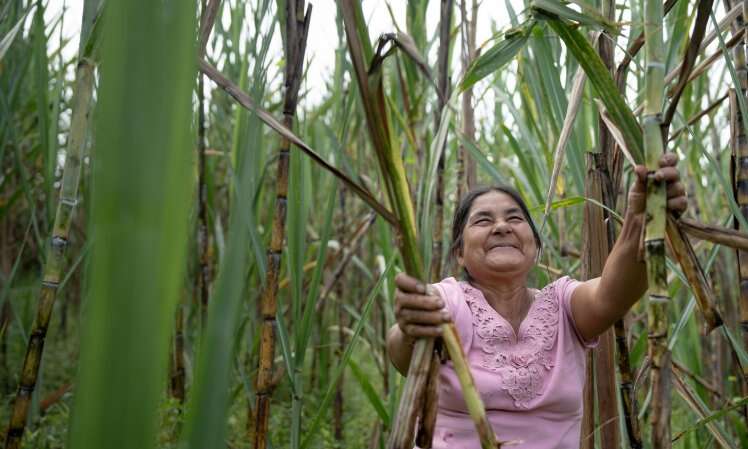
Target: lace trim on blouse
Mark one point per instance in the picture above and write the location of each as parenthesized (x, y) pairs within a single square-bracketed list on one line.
[(523, 360)]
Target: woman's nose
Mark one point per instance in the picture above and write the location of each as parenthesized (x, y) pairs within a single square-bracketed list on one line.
[(501, 227)]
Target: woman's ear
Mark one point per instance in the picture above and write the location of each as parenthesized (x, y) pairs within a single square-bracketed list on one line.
[(458, 257)]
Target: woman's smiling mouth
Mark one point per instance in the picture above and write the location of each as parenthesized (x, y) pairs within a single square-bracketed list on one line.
[(503, 245)]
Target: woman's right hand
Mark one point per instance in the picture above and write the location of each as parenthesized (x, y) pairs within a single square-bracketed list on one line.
[(419, 309)]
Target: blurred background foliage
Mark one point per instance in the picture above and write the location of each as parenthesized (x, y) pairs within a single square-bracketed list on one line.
[(213, 199)]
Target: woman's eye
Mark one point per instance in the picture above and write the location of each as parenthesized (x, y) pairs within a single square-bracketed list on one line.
[(516, 218)]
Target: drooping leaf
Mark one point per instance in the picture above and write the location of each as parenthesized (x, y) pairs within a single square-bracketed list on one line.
[(603, 84), (590, 17), (139, 256), (497, 56), (7, 40)]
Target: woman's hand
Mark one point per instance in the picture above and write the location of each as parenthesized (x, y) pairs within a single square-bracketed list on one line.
[(677, 202), (420, 312), (419, 309)]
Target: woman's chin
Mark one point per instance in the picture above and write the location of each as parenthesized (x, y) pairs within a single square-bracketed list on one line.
[(504, 268), (507, 262)]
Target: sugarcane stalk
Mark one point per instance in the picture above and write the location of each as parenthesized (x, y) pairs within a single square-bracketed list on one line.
[(202, 276), (429, 411), (297, 26), (587, 427), (628, 398), (740, 149), (177, 378), (443, 86), (202, 280), (371, 90), (633, 50), (704, 8), (596, 247), (339, 292), (605, 375), (655, 223), (717, 363), (685, 255), (55, 252), (425, 433), (472, 398), (622, 359), (5, 316), (595, 251), (466, 167)]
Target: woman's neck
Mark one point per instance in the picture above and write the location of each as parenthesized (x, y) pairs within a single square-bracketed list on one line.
[(511, 299)]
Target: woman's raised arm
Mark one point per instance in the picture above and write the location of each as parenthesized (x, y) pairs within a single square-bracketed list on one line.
[(598, 303)]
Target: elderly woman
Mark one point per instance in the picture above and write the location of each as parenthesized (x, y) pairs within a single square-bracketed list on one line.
[(525, 347)]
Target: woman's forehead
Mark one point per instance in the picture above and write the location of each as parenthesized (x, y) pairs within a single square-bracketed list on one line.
[(494, 201)]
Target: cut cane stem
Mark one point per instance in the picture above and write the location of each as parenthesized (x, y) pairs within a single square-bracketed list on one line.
[(655, 223)]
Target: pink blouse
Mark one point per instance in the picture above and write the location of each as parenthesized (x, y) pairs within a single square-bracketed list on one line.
[(531, 384)]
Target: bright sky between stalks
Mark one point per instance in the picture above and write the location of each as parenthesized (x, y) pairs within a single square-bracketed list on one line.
[(322, 37), (323, 40)]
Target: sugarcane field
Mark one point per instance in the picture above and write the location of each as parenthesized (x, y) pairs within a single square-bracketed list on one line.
[(373, 224)]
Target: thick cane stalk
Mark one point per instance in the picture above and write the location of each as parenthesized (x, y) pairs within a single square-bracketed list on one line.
[(595, 252), (297, 26), (201, 277), (654, 242), (605, 375), (55, 257), (740, 174), (370, 85), (425, 432)]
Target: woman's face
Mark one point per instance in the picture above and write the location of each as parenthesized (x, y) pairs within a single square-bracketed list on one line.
[(497, 238)]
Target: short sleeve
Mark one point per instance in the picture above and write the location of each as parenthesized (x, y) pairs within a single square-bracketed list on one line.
[(564, 287), (454, 302)]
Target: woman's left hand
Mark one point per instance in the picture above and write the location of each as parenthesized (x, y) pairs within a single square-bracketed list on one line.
[(677, 202)]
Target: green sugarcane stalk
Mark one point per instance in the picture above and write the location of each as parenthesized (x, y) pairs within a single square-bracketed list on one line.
[(55, 252), (655, 223), (393, 173), (427, 424)]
